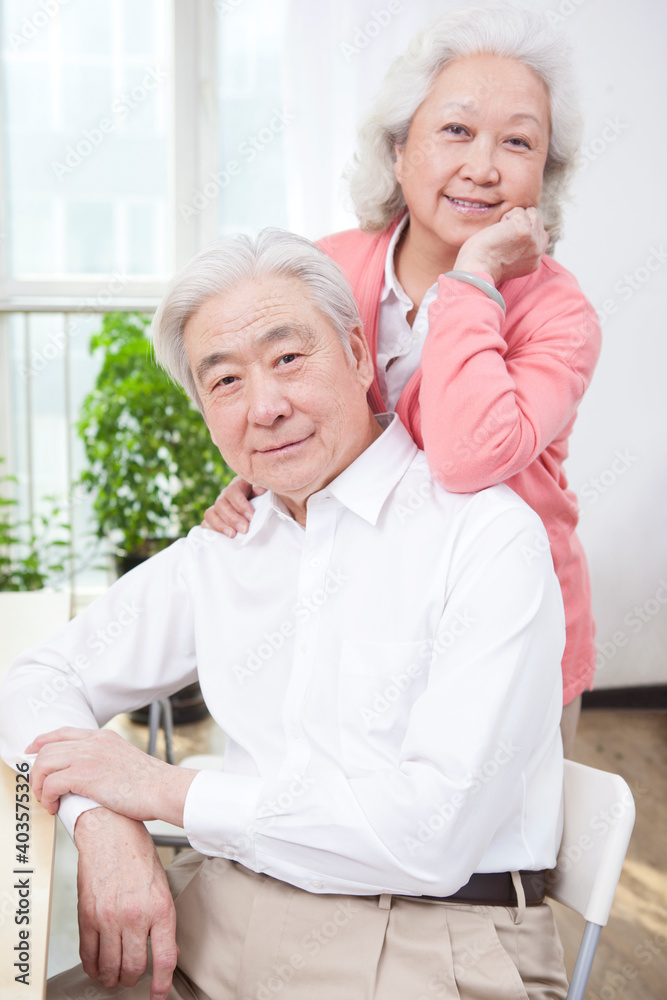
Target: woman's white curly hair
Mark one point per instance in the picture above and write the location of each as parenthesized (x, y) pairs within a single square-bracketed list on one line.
[(501, 29)]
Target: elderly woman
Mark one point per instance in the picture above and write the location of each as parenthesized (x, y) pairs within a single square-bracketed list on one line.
[(483, 344)]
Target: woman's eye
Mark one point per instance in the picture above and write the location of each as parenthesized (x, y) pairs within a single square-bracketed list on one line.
[(225, 380), (455, 129), (516, 140)]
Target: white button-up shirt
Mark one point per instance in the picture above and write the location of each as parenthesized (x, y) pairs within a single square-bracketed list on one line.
[(388, 678), (399, 345)]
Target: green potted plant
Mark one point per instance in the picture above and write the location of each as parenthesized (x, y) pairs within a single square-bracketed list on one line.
[(34, 556), (152, 465)]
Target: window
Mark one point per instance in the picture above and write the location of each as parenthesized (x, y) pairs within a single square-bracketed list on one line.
[(87, 129), (132, 134)]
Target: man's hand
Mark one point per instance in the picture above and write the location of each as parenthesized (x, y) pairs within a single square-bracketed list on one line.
[(123, 899), (102, 765), (510, 248), (232, 511)]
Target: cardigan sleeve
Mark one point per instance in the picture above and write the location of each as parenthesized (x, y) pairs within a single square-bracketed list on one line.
[(496, 391)]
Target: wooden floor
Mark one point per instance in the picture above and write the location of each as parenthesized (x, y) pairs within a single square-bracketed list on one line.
[(631, 961)]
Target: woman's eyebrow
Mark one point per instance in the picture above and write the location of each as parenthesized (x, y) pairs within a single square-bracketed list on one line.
[(524, 116), (469, 106)]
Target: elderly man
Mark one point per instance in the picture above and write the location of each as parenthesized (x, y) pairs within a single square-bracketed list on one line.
[(384, 657)]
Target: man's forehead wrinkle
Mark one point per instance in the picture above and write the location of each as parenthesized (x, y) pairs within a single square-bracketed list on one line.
[(269, 309)]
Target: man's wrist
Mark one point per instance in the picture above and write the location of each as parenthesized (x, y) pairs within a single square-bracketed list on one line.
[(92, 821), (173, 793)]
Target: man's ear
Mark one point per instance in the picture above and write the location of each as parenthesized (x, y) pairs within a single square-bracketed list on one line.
[(361, 355)]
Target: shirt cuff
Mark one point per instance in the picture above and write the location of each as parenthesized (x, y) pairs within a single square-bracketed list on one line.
[(71, 807), (220, 815)]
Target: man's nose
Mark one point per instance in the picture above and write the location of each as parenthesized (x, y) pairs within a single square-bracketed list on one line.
[(480, 162), (268, 400)]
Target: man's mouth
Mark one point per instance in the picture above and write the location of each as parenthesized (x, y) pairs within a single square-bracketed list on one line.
[(285, 448)]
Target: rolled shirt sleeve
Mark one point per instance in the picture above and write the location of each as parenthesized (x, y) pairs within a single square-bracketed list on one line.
[(133, 645)]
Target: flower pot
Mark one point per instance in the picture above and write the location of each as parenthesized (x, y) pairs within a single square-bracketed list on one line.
[(28, 617)]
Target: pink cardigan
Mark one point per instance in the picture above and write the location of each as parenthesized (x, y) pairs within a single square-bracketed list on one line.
[(495, 399)]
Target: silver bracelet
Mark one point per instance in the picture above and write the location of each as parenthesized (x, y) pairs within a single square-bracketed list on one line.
[(481, 283)]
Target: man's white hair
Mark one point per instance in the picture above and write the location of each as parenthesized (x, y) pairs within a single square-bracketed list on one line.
[(230, 262), (501, 29)]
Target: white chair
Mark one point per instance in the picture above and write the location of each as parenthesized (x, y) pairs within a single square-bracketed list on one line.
[(598, 820), (38, 873), (599, 817)]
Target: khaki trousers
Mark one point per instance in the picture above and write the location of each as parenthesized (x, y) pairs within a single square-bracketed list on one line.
[(244, 936)]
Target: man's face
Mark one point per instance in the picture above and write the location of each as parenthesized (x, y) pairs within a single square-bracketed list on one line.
[(284, 402)]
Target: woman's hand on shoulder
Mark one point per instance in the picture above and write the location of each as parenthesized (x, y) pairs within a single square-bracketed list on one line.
[(232, 511), (510, 248)]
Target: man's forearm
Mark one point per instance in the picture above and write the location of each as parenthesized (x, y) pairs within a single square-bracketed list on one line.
[(124, 899), (120, 776)]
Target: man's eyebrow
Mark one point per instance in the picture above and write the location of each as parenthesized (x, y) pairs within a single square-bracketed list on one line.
[(271, 336)]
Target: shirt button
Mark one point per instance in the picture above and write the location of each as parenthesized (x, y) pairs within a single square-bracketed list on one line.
[(315, 562), (294, 733), (317, 884), (304, 647)]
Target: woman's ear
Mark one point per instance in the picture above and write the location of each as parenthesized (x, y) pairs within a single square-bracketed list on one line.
[(398, 163)]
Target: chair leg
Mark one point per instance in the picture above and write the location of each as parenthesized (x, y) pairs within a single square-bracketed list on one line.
[(161, 711), (583, 965), (168, 726), (153, 726)]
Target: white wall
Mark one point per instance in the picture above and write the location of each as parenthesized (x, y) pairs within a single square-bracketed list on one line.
[(616, 245)]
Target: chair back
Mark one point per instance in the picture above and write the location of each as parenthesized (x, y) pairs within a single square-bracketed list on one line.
[(599, 814)]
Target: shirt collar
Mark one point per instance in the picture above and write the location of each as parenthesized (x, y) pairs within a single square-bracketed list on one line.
[(391, 283), (267, 506), (363, 487)]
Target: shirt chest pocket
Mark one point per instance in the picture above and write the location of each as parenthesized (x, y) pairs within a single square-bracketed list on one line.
[(378, 682)]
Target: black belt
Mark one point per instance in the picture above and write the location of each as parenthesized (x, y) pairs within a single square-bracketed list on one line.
[(495, 889)]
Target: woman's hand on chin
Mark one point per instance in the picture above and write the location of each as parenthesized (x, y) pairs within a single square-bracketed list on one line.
[(510, 248)]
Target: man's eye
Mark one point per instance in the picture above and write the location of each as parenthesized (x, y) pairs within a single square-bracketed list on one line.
[(287, 359), (225, 380)]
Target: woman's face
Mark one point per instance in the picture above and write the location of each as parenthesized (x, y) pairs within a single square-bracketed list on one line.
[(476, 148)]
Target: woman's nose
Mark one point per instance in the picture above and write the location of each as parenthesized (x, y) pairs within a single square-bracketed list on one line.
[(479, 164)]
